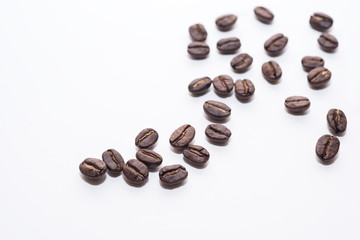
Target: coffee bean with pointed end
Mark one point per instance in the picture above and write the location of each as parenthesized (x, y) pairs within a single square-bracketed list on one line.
[(337, 120), (200, 85), (226, 22), (136, 171), (182, 136), (93, 168), (217, 133), (328, 42), (311, 62), (223, 84), (276, 44), (297, 104), (113, 160), (149, 157), (319, 77), (228, 45), (198, 32), (321, 21), (198, 50), (173, 174), (271, 71), (244, 89), (264, 15), (241, 62), (217, 110), (327, 147), (146, 138), (196, 154)]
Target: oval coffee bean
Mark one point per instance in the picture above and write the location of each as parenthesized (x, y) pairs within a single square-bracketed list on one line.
[(297, 104), (328, 42), (327, 147), (311, 62), (93, 168), (198, 32), (263, 14), (271, 71), (241, 62), (223, 84), (200, 85), (337, 120), (182, 136), (146, 138), (321, 21), (136, 171), (228, 45), (197, 155), (113, 160), (217, 110), (226, 22), (276, 44), (198, 50), (217, 133), (319, 77), (173, 174), (149, 157), (244, 89)]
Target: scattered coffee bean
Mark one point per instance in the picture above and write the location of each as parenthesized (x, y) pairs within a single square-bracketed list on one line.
[(198, 32), (173, 174), (93, 168), (197, 155), (244, 89), (311, 62), (337, 120), (297, 104), (198, 50), (271, 71), (149, 157), (182, 136), (241, 62), (217, 133), (228, 45), (319, 77), (226, 22), (321, 21), (327, 147), (328, 42), (217, 110), (200, 85), (113, 160), (146, 138), (223, 84), (263, 14), (275, 44), (136, 171)]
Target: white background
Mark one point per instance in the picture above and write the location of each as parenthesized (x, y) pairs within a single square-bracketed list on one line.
[(80, 76)]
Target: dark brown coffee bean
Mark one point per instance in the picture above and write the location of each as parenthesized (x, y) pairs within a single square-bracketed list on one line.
[(337, 120), (244, 89), (319, 77), (276, 44), (197, 155), (200, 85), (311, 62), (149, 157), (93, 168), (136, 171), (241, 62), (223, 84), (217, 110), (327, 147), (297, 104), (321, 21), (198, 50), (113, 160), (146, 138), (263, 15), (228, 45), (182, 136), (226, 22), (217, 133), (173, 174), (271, 71), (328, 42), (198, 32)]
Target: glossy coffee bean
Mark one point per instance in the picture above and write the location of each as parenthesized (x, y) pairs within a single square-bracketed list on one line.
[(297, 104), (228, 45), (146, 138), (244, 89), (337, 120), (198, 32), (217, 133), (319, 77), (197, 155), (149, 157), (311, 62), (182, 136), (113, 160), (327, 147), (241, 62), (173, 174), (321, 21), (271, 71), (198, 50), (93, 168), (328, 42), (264, 15), (136, 171), (226, 22), (276, 44), (223, 84), (217, 110), (200, 85)]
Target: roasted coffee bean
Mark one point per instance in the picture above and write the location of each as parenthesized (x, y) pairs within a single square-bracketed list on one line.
[(328, 42), (173, 174), (93, 168), (337, 120), (297, 104), (200, 85), (228, 45), (226, 22), (241, 62), (321, 21), (197, 155), (271, 71), (319, 77), (217, 133), (244, 89), (327, 147), (198, 50), (113, 160), (149, 157), (136, 171), (311, 62), (263, 15), (146, 138), (223, 84), (198, 32), (182, 136), (275, 44), (217, 110)]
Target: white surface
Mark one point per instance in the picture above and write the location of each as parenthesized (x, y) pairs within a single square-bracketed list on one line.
[(79, 77)]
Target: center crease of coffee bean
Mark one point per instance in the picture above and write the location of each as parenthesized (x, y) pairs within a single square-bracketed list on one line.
[(223, 83), (197, 152), (91, 166), (214, 106), (198, 83), (219, 132), (150, 154), (136, 172), (114, 159), (171, 173), (245, 86), (327, 147), (182, 135), (337, 112), (145, 136)]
